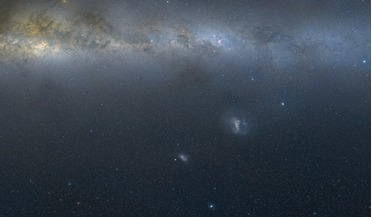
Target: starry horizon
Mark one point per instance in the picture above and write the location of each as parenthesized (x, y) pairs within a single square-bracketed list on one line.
[(185, 108)]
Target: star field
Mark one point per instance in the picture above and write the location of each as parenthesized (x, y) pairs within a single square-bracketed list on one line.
[(185, 108)]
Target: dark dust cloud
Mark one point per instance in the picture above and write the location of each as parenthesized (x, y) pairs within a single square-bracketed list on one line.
[(185, 108)]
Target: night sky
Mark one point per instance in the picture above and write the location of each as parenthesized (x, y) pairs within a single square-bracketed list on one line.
[(185, 108)]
